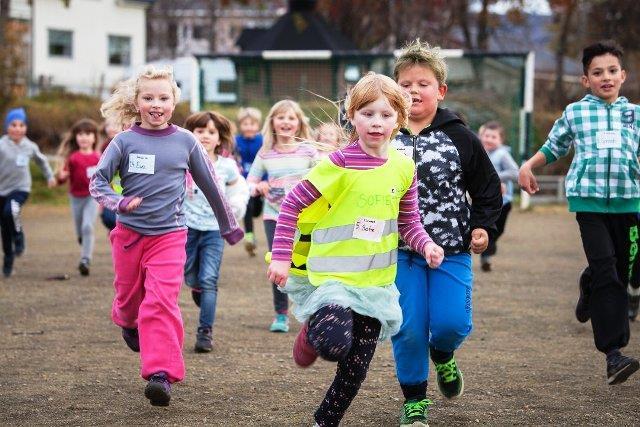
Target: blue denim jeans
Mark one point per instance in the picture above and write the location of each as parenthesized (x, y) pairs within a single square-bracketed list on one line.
[(204, 256)]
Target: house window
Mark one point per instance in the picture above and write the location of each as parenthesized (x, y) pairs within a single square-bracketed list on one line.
[(60, 43), (119, 50), (199, 32)]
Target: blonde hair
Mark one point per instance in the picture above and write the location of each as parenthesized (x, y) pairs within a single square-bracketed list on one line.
[(249, 113), (323, 146), (421, 53), (269, 133), (371, 87), (120, 108)]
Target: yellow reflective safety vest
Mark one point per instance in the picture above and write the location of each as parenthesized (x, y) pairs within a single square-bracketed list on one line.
[(355, 241)]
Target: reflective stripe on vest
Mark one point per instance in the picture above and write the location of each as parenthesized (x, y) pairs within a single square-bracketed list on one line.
[(345, 232), (352, 264)]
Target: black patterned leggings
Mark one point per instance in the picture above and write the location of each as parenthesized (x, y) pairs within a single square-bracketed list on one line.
[(342, 335)]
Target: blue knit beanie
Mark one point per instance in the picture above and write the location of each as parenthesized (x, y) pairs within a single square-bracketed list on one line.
[(15, 114)]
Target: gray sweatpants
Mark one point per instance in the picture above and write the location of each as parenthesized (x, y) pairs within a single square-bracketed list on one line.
[(85, 211)]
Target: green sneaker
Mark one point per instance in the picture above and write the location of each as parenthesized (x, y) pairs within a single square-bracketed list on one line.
[(415, 412), (450, 380), (280, 323)]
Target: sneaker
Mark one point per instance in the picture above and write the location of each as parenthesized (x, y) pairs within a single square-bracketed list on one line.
[(634, 303), (582, 307), (7, 266), (303, 352), (83, 267), (250, 244), (280, 323), (415, 412), (195, 296), (620, 367), (18, 243), (158, 391), (130, 336), (450, 380), (204, 340)]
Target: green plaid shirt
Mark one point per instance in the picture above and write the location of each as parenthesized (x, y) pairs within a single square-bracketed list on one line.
[(605, 170)]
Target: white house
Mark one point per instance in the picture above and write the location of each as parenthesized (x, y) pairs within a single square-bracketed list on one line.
[(87, 45)]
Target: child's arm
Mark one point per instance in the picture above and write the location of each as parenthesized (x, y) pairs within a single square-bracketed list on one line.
[(205, 178), (43, 164), (100, 183), (508, 169), (300, 197), (254, 178), (557, 145), (411, 229)]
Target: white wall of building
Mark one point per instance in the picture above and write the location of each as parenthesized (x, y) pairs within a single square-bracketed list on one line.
[(92, 22)]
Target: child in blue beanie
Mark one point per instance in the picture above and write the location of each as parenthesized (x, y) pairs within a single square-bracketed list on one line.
[(16, 150)]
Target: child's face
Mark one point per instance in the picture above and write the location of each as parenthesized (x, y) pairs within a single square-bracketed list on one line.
[(605, 77), (490, 139), (329, 135), (286, 124), (421, 83), (155, 103), (249, 128), (17, 130), (110, 129), (375, 122), (208, 136), (85, 140)]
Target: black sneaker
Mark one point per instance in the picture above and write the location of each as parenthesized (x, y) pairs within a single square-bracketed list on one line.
[(634, 305), (83, 267), (195, 296), (158, 391), (450, 379), (486, 266), (130, 336), (204, 340), (582, 307), (620, 367), (18, 243), (7, 266)]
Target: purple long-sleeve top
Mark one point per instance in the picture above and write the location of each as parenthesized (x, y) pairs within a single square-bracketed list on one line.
[(153, 165), (304, 194)]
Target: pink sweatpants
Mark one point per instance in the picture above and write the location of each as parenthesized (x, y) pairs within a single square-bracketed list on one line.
[(148, 275)]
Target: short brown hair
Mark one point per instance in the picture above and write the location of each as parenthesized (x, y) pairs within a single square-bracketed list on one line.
[(421, 53), (493, 125), (223, 125)]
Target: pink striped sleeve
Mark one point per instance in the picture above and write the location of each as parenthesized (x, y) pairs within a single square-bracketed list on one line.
[(301, 196), (409, 223)]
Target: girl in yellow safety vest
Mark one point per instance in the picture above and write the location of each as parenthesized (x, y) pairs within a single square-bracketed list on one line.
[(364, 197)]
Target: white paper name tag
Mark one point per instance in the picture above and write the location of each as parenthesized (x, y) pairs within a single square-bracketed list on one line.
[(368, 229), (22, 160), (609, 139), (142, 163), (91, 170)]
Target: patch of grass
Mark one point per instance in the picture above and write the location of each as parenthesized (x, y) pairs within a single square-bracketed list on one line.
[(41, 194)]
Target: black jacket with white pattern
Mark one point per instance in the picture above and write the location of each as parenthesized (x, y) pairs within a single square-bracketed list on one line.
[(451, 162)]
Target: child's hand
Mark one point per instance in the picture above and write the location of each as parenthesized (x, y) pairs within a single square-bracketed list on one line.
[(63, 175), (278, 272), (434, 255), (479, 240), (263, 188), (526, 179), (52, 183), (503, 188), (129, 204)]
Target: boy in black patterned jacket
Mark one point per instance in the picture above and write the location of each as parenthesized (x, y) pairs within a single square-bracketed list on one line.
[(436, 303)]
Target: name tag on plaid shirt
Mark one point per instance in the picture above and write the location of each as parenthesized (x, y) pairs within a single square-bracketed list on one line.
[(609, 139)]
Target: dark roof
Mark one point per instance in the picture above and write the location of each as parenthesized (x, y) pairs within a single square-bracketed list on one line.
[(303, 30)]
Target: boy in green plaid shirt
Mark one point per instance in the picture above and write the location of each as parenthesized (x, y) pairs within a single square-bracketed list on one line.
[(603, 189)]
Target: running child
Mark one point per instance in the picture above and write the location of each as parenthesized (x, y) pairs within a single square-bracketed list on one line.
[(79, 164), (450, 163), (248, 143), (285, 159), (148, 243), (328, 136), (16, 150), (350, 300), (603, 189), (204, 242), (492, 136)]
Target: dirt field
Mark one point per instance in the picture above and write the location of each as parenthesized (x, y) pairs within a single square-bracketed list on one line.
[(528, 362)]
